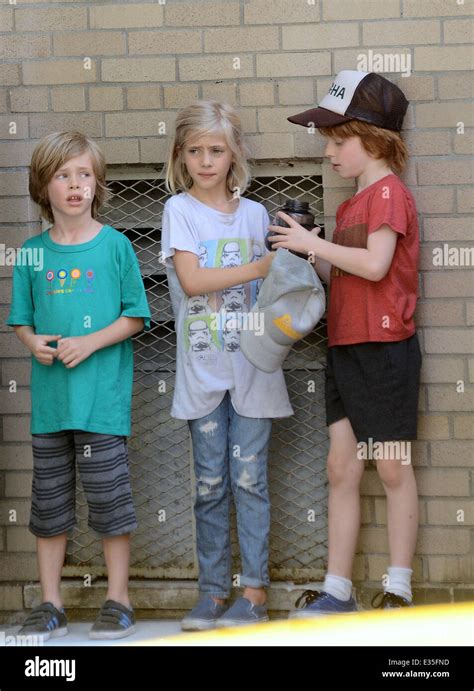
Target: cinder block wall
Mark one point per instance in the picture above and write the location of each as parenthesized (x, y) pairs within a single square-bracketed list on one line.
[(117, 69)]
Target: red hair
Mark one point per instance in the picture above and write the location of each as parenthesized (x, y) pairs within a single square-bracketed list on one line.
[(378, 142)]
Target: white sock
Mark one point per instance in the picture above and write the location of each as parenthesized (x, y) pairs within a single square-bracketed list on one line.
[(399, 582), (337, 586)]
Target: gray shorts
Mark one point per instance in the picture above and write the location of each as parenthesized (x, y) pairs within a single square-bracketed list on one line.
[(102, 460)]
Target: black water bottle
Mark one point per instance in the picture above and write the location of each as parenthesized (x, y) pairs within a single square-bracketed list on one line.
[(301, 213)]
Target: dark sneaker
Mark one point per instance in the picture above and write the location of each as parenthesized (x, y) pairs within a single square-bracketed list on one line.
[(320, 603), (204, 616), (46, 621), (243, 612), (114, 621), (389, 601)]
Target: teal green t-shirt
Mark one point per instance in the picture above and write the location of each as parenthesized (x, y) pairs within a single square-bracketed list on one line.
[(80, 289)]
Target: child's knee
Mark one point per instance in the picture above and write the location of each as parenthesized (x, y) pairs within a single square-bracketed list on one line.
[(392, 473), (344, 470)]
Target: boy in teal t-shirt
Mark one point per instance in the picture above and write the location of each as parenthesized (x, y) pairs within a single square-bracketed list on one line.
[(76, 312)]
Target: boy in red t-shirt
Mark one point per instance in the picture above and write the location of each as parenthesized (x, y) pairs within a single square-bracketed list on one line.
[(374, 359)]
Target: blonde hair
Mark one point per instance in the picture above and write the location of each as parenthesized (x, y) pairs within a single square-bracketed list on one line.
[(52, 152), (378, 142), (197, 120)]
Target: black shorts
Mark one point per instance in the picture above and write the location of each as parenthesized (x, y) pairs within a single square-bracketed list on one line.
[(375, 385)]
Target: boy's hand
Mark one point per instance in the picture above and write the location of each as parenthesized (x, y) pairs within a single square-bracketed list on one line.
[(72, 351), (295, 237), (37, 343)]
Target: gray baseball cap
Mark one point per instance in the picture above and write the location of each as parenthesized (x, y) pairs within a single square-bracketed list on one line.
[(292, 301)]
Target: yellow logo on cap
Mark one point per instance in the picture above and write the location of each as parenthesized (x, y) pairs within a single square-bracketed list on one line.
[(284, 324)]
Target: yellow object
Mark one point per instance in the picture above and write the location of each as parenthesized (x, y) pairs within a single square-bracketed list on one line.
[(284, 324), (447, 625)]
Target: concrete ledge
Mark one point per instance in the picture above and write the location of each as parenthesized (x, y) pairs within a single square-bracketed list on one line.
[(171, 599)]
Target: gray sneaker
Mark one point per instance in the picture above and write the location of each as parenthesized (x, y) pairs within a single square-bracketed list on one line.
[(243, 612), (204, 616), (114, 621), (46, 621)]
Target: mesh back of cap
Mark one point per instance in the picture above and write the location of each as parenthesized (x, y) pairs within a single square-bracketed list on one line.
[(378, 101)]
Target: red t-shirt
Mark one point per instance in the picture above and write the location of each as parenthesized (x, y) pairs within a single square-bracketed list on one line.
[(361, 310)]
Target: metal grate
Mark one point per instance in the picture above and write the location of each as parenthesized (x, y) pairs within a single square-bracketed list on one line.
[(160, 449)]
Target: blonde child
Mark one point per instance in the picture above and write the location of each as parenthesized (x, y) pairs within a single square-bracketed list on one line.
[(211, 236)]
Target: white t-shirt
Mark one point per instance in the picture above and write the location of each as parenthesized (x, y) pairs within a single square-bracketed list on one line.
[(209, 360)]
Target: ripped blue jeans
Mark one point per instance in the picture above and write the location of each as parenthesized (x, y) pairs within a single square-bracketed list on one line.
[(230, 455)]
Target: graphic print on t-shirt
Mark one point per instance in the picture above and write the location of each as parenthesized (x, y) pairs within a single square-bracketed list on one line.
[(201, 339), (61, 281), (353, 236), (257, 254), (198, 304), (213, 321)]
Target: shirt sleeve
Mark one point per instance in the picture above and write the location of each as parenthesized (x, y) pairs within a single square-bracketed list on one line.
[(22, 307), (133, 297), (177, 233), (389, 206)]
